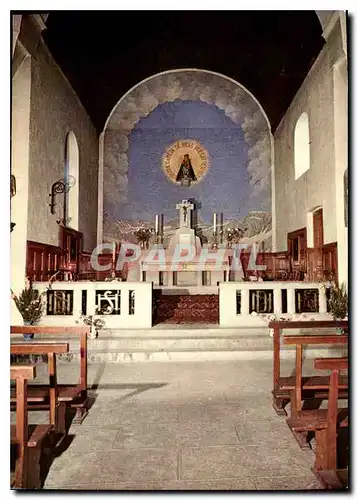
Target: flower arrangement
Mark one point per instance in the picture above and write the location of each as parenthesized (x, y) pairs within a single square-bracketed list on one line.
[(338, 301), (94, 321), (234, 235), (143, 235), (267, 318), (29, 303)]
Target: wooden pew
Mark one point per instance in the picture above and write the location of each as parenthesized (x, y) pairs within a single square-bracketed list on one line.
[(36, 393), (74, 395), (282, 386), (28, 447), (325, 424), (315, 387)]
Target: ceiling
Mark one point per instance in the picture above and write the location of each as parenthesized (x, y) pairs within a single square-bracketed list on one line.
[(104, 54)]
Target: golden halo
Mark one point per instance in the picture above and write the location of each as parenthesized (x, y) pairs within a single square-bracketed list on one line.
[(196, 156)]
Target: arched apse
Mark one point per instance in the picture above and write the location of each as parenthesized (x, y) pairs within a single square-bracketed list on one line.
[(72, 178), (186, 105)]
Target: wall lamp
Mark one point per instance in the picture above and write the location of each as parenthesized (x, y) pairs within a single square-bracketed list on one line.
[(58, 187)]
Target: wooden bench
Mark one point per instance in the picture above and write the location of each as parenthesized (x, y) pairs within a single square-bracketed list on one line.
[(28, 446), (74, 395), (314, 388), (45, 393), (325, 422), (282, 386)]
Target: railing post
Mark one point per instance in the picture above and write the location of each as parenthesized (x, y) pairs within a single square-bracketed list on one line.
[(245, 303), (91, 299), (277, 300), (124, 302), (291, 307), (322, 299), (77, 300)]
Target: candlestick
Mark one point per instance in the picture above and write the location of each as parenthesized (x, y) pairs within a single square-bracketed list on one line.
[(156, 224), (214, 221), (114, 252), (161, 228), (221, 227)]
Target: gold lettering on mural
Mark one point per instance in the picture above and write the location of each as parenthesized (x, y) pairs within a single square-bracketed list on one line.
[(189, 152)]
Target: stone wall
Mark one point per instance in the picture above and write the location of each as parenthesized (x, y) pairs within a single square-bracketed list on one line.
[(55, 111)]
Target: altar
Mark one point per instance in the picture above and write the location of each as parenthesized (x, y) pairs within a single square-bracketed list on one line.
[(185, 263)]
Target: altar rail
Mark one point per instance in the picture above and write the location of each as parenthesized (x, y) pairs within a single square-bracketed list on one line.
[(131, 303), (242, 303)]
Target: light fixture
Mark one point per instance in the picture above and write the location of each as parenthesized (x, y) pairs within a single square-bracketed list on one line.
[(57, 187), (12, 185)]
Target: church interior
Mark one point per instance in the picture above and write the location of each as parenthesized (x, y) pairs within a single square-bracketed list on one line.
[(179, 238)]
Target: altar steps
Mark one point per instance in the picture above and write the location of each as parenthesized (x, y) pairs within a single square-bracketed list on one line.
[(180, 343)]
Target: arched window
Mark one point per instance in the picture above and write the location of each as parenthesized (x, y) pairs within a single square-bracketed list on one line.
[(72, 180), (302, 146)]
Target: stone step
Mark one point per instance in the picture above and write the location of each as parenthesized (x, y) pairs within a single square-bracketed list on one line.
[(133, 356), (176, 343), (104, 344)]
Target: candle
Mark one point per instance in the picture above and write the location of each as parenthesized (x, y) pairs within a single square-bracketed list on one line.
[(156, 224), (114, 252), (214, 222)]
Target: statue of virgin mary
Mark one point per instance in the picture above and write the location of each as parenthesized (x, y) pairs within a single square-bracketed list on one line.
[(186, 172)]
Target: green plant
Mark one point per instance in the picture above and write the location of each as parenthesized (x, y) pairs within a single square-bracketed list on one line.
[(338, 301), (29, 304)]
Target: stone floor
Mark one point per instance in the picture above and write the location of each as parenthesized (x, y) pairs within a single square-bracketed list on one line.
[(180, 426)]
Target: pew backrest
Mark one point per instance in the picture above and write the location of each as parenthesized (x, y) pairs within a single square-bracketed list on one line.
[(299, 341), (81, 331), (21, 374), (335, 365), (50, 349), (277, 327)]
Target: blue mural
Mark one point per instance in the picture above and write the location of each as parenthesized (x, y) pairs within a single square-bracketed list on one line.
[(228, 126), (225, 188)]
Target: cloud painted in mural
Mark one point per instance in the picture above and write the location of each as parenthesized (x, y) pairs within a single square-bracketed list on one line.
[(195, 105)]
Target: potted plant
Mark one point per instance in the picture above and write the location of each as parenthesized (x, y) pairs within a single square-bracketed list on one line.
[(30, 306), (94, 321), (338, 302)]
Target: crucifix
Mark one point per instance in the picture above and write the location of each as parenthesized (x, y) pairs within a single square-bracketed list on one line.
[(184, 213)]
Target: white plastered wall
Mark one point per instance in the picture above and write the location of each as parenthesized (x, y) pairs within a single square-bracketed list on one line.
[(73, 171), (341, 161), (56, 111), (20, 129), (323, 96), (44, 109)]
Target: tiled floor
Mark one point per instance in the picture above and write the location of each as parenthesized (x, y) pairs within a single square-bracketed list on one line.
[(181, 426)]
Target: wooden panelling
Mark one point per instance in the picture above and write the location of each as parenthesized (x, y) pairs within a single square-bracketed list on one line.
[(297, 252), (318, 228), (329, 257), (42, 261)]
